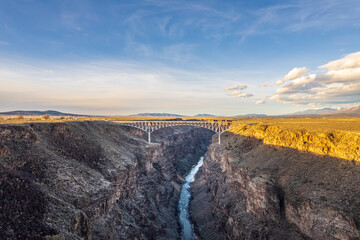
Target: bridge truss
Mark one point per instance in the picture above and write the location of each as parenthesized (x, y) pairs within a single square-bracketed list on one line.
[(150, 126)]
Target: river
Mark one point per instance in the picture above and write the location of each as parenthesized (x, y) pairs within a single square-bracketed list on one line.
[(184, 217)]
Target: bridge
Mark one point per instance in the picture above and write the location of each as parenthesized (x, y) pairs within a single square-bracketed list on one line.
[(150, 126)]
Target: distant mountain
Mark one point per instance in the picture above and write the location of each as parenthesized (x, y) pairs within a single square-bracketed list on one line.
[(39, 113), (347, 111), (204, 115), (314, 111), (158, 115), (252, 115)]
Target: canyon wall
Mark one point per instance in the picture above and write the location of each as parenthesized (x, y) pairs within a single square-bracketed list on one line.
[(251, 190), (93, 180), (97, 180)]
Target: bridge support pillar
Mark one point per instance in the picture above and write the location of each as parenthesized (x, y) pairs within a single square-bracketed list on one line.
[(149, 137), (219, 137)]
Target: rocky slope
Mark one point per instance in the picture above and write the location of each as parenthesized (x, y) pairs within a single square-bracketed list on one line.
[(93, 180), (250, 190)]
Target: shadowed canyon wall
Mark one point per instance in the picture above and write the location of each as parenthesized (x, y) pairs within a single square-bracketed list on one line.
[(249, 190), (93, 180)]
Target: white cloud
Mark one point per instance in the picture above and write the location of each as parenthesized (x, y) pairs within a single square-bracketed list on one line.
[(234, 93), (341, 75), (350, 61), (265, 84), (297, 84), (238, 93), (293, 74), (244, 95), (238, 86), (260, 101), (337, 82)]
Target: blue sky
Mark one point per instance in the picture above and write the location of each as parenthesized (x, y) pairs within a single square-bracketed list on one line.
[(125, 57)]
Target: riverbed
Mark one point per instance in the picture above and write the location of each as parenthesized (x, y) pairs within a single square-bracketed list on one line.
[(184, 216)]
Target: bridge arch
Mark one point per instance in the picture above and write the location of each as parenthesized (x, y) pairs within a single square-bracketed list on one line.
[(218, 127)]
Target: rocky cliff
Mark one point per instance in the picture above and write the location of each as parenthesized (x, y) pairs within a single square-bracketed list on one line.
[(93, 180), (251, 190)]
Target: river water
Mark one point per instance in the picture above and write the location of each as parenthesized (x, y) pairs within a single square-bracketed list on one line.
[(184, 217)]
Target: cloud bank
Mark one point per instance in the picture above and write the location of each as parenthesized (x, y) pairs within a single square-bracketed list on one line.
[(337, 82)]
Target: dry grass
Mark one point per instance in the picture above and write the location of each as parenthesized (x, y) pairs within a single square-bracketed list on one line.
[(44, 118), (324, 125), (326, 136)]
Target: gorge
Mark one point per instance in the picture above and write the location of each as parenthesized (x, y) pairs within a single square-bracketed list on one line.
[(98, 180), (184, 215)]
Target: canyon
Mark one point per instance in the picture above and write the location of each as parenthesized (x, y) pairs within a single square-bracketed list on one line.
[(93, 180), (99, 180), (250, 190)]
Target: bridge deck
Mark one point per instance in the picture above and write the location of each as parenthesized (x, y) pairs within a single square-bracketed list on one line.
[(151, 126)]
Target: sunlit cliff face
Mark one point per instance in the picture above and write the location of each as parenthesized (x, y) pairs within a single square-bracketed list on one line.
[(319, 138)]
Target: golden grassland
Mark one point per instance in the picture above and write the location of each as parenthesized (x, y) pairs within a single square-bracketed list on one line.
[(337, 137), (313, 124)]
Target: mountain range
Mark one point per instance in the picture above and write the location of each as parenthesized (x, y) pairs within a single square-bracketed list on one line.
[(315, 111), (252, 115), (329, 112), (353, 111), (171, 115), (39, 113), (158, 115), (204, 115)]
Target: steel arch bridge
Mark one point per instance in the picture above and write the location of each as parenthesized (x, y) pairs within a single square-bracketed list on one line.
[(150, 126)]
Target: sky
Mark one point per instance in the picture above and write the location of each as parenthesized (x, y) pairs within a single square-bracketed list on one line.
[(219, 57)]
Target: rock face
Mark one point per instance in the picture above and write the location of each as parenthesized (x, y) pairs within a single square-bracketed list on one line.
[(93, 180), (249, 190)]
